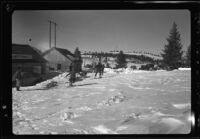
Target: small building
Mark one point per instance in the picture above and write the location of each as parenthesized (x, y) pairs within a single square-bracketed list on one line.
[(59, 59), (32, 63)]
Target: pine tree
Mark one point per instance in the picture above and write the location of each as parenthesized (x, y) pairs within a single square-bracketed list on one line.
[(78, 60), (172, 53), (188, 56), (121, 60)]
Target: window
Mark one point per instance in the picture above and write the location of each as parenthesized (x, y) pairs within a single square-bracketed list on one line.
[(37, 69), (58, 66)]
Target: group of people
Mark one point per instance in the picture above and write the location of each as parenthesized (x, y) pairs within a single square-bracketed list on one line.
[(73, 69), (99, 68)]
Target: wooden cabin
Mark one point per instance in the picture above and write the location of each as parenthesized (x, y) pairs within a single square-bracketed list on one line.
[(59, 59), (32, 63)]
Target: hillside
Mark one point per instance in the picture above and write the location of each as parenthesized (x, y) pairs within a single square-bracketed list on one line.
[(136, 57), (155, 57)]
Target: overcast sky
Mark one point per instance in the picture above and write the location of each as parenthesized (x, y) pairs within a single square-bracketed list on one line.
[(101, 30)]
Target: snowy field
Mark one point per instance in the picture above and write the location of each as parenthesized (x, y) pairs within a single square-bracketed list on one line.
[(123, 102)]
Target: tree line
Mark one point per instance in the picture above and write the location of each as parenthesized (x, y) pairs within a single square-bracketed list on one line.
[(107, 54), (172, 54)]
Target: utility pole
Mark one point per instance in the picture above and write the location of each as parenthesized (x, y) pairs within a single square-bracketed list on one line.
[(51, 22), (50, 34), (55, 33)]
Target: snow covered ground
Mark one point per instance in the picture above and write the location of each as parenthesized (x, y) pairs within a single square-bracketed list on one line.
[(122, 102)]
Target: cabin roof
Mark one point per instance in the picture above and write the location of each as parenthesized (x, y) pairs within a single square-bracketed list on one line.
[(64, 52), (25, 49)]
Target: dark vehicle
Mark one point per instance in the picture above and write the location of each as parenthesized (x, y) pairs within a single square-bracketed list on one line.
[(133, 67), (147, 67), (88, 66)]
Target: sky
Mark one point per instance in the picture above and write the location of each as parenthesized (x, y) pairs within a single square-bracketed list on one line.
[(101, 30)]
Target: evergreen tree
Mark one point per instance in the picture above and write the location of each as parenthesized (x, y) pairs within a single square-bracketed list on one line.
[(188, 56), (172, 53), (121, 60), (78, 60)]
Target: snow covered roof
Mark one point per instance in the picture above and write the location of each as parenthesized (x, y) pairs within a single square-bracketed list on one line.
[(25, 53), (64, 52)]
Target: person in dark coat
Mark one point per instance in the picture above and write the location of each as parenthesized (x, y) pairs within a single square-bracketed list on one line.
[(18, 78), (72, 73), (98, 69), (102, 69), (70, 67)]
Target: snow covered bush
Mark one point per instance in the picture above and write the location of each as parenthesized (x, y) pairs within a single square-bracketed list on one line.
[(184, 68)]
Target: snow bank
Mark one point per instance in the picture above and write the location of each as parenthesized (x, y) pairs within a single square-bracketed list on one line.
[(172, 123), (182, 106), (109, 70), (104, 130), (124, 71), (129, 71), (121, 128), (60, 76), (55, 79), (184, 68)]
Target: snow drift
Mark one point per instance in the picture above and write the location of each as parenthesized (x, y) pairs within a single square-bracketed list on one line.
[(124, 101)]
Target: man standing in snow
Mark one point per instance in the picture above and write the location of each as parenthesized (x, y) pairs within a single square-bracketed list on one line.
[(102, 69), (98, 69), (18, 78), (94, 67), (72, 73)]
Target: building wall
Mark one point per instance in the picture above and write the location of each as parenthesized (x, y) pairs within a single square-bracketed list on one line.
[(33, 68), (55, 58), (31, 72)]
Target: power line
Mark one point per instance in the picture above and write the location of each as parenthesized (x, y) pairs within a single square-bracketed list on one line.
[(51, 22), (50, 34)]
